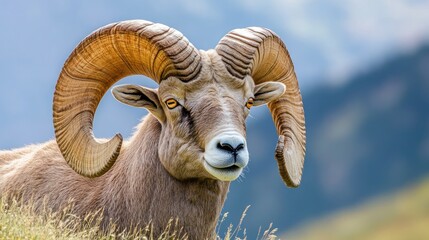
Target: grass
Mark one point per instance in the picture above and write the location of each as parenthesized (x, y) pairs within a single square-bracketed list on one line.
[(400, 216), (19, 221), (239, 233)]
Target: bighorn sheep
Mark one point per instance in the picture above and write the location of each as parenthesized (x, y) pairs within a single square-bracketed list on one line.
[(180, 161)]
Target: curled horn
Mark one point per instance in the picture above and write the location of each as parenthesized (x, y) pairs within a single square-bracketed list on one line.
[(260, 53), (100, 60)]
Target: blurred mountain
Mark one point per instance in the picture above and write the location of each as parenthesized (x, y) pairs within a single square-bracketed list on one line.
[(365, 138), (400, 216)]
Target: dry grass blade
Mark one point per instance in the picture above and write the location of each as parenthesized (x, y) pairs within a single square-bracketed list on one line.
[(22, 221)]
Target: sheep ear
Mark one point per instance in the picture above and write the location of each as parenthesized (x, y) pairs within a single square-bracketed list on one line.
[(138, 96), (267, 92)]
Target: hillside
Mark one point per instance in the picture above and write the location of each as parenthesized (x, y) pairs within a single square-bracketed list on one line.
[(400, 216), (365, 138)]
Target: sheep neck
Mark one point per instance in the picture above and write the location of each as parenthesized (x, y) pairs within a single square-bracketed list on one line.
[(153, 195)]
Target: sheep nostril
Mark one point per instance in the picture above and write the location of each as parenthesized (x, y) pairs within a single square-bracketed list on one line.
[(229, 148), (225, 146), (239, 147)]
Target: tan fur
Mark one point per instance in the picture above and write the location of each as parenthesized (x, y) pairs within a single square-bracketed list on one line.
[(135, 191), (159, 173), (171, 166)]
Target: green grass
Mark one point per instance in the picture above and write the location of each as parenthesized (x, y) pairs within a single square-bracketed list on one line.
[(19, 221), (400, 216)]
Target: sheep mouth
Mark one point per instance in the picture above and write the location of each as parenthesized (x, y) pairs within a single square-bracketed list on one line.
[(229, 173), (230, 168)]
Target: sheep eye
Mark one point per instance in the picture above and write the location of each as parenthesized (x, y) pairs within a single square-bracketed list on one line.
[(249, 103), (171, 103)]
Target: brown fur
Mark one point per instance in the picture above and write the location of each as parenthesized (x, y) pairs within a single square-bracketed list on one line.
[(142, 186), (159, 174), (135, 191)]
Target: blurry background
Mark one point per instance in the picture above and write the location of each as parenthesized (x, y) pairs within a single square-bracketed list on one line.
[(363, 68)]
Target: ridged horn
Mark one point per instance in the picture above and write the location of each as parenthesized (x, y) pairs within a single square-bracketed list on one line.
[(260, 53), (100, 60)]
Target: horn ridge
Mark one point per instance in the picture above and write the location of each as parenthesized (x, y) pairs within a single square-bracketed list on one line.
[(260, 53), (100, 60)]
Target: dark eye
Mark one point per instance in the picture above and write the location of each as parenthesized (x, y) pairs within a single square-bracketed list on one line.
[(249, 103), (171, 103)]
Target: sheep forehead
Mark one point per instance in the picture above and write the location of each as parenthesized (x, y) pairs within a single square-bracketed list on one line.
[(213, 80)]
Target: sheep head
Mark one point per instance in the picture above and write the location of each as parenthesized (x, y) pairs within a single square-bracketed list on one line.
[(203, 120), (202, 101)]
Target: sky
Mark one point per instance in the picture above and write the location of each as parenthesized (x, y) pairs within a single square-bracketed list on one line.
[(350, 35), (328, 42)]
